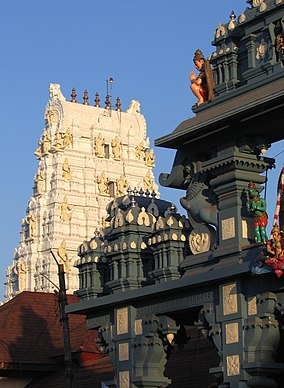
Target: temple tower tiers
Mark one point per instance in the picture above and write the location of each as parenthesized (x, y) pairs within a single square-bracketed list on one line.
[(87, 155)]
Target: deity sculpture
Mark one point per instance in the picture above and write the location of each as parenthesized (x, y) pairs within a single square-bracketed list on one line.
[(150, 158), (31, 222), (43, 145), (274, 247), (20, 271), (202, 84), (257, 206), (121, 185), (103, 184), (139, 150), (62, 140), (67, 138), (66, 210), (116, 148), (66, 170), (58, 142), (99, 143), (279, 42), (148, 181), (39, 181), (62, 253), (273, 254)]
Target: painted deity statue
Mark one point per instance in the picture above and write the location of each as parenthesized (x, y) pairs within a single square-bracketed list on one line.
[(274, 247), (279, 41), (257, 206), (202, 84)]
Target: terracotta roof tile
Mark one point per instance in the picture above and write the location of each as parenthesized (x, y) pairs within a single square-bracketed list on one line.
[(30, 330)]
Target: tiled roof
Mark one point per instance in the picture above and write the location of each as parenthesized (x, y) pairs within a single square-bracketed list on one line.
[(31, 332)]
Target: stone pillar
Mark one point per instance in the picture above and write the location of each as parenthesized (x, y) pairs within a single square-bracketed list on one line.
[(261, 339), (249, 41), (136, 348), (233, 170), (246, 334)]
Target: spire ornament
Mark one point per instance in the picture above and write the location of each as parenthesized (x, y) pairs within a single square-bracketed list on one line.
[(107, 102), (118, 105), (73, 95), (97, 100), (86, 97)]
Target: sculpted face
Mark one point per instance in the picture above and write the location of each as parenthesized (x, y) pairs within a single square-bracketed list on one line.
[(253, 193), (198, 64)]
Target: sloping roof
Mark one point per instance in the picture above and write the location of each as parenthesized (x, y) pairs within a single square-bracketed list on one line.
[(31, 333)]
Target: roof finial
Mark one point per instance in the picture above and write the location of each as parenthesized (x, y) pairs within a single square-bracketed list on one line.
[(73, 95), (107, 102), (86, 97), (118, 104), (97, 100)]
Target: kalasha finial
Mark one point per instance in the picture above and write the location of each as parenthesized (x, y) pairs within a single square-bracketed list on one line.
[(118, 104), (86, 97), (232, 16), (107, 102), (73, 95), (97, 100), (232, 23)]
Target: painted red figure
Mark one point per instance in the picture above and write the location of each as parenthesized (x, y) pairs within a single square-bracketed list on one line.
[(202, 84)]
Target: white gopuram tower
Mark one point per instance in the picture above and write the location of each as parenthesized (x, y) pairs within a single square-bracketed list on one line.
[(87, 156)]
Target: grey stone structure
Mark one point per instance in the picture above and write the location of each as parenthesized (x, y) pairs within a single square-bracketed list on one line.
[(154, 272)]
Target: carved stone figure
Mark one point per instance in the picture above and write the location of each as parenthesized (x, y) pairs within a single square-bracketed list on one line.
[(150, 158), (103, 185), (202, 84), (31, 222), (67, 138), (201, 205), (39, 181), (99, 146), (200, 201), (66, 170), (43, 145), (20, 270), (62, 140), (139, 150), (62, 253), (58, 142), (121, 185), (257, 206), (116, 148), (66, 210), (148, 181)]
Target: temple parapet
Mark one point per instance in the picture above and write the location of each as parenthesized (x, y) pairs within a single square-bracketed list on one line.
[(249, 49)]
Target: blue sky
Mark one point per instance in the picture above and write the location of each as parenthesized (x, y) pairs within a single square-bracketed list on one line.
[(146, 46)]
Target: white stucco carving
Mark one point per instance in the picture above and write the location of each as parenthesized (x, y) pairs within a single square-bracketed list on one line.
[(68, 204)]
